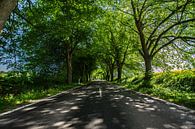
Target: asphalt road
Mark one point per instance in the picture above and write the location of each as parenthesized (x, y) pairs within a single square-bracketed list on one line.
[(100, 106)]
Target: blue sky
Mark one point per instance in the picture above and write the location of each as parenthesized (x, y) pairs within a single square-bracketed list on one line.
[(3, 68)]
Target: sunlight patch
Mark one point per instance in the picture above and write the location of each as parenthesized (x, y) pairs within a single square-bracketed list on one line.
[(149, 100), (45, 111), (78, 99), (65, 111), (168, 126), (95, 124), (150, 109), (74, 108), (29, 108), (172, 108), (37, 127), (60, 123), (52, 112), (66, 126)]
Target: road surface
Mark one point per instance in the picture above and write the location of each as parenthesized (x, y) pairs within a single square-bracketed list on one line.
[(100, 106)]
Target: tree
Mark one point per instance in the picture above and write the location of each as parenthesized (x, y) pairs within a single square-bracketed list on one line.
[(50, 33), (156, 32), (6, 7), (115, 40)]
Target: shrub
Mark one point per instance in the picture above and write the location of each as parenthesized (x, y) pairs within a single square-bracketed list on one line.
[(179, 80), (14, 83)]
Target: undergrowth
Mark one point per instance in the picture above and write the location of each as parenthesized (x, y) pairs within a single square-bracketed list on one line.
[(177, 87), (12, 101)]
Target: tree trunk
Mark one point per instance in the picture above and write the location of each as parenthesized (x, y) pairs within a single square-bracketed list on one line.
[(148, 69), (107, 75), (83, 74), (89, 77), (6, 7), (69, 65), (112, 74), (119, 70)]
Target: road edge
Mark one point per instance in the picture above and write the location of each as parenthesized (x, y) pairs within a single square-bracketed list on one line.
[(39, 101), (161, 100)]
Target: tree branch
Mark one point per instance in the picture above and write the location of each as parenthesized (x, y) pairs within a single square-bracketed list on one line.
[(129, 27), (153, 53), (142, 54), (148, 43), (124, 11), (169, 28), (21, 16), (134, 10), (184, 38), (142, 8), (174, 45), (6, 7)]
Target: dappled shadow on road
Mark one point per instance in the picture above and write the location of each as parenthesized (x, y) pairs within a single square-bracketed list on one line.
[(100, 106), (84, 109), (161, 114)]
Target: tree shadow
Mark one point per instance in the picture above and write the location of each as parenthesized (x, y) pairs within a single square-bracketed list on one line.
[(85, 108)]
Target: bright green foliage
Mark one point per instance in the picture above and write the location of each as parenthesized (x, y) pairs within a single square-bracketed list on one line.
[(10, 101), (115, 44), (176, 86), (159, 24), (15, 83), (52, 35), (177, 80)]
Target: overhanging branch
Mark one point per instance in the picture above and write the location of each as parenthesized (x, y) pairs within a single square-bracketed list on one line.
[(183, 38), (169, 28), (25, 19), (148, 43)]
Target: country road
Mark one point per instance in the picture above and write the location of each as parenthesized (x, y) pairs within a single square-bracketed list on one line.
[(100, 106)]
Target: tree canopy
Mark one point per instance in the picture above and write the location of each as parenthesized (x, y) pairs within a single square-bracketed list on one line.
[(71, 40)]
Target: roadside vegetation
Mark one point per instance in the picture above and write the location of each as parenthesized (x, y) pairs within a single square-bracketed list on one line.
[(176, 86), (17, 90)]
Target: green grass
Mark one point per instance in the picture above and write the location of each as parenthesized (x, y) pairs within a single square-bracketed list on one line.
[(10, 101), (177, 87)]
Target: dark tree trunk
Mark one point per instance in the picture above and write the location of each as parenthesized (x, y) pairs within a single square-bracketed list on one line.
[(148, 70), (69, 65), (6, 7), (112, 74), (119, 70), (107, 75), (83, 76), (111, 71), (89, 77)]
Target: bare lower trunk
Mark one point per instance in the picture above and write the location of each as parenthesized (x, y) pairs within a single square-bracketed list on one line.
[(69, 66), (111, 74), (148, 70), (111, 71), (107, 75), (119, 70), (89, 77), (6, 7), (83, 74)]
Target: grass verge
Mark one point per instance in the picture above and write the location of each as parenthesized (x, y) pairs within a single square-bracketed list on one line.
[(176, 87), (178, 97), (10, 101)]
